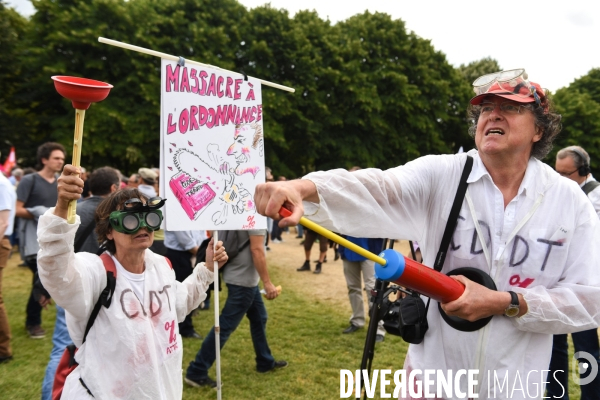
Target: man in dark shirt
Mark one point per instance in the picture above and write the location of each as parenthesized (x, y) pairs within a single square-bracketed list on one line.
[(243, 298), (35, 194)]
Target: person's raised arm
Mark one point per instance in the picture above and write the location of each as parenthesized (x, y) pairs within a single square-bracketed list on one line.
[(70, 188), (271, 196)]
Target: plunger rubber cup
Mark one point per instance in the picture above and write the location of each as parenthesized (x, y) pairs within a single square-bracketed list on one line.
[(82, 92), (478, 276)]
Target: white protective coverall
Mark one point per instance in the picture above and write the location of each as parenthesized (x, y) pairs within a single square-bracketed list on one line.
[(133, 350), (544, 244)]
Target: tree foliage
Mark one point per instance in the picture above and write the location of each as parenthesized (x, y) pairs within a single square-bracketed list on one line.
[(368, 92), (579, 105), (12, 29), (475, 69)]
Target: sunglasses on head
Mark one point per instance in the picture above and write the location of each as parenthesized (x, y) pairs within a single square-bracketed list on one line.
[(514, 81), (136, 215), (136, 204)]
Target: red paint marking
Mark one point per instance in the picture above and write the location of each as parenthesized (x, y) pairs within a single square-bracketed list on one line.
[(515, 280)]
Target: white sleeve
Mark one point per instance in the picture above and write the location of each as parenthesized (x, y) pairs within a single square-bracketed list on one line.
[(573, 304), (192, 290), (74, 281), (395, 203)]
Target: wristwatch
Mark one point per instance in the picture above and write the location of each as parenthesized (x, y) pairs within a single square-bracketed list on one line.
[(513, 308)]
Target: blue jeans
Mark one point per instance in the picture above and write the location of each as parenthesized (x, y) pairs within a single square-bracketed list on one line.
[(240, 301), (583, 341), (60, 340)]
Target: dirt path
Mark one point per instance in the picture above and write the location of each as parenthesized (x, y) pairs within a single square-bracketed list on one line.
[(329, 285)]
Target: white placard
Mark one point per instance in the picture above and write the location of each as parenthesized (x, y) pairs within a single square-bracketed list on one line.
[(212, 148)]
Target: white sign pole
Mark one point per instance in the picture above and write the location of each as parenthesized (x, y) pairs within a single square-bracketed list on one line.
[(217, 325), (175, 58)]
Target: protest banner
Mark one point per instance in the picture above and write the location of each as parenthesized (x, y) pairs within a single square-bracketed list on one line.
[(212, 148)]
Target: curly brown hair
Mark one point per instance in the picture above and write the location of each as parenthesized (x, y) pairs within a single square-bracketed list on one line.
[(112, 203), (546, 120)]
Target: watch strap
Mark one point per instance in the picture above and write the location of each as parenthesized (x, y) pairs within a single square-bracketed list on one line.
[(514, 299), (513, 308)]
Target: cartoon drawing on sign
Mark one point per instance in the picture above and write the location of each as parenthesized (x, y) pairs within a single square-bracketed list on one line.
[(195, 192)]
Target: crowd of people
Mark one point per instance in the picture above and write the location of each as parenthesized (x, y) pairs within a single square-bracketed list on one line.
[(532, 228)]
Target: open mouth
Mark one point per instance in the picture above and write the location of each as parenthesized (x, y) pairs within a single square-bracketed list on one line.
[(494, 131), (143, 235), (242, 159)]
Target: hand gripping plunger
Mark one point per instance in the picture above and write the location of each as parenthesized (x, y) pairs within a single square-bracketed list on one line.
[(394, 267), (81, 92)]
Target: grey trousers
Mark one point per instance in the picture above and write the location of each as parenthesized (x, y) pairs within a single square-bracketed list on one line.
[(352, 271)]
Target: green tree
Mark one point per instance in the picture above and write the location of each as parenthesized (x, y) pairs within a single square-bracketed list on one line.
[(12, 28), (475, 69), (123, 130), (579, 105), (300, 53), (398, 96)]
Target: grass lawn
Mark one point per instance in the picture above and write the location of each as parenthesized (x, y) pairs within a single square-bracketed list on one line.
[(303, 329)]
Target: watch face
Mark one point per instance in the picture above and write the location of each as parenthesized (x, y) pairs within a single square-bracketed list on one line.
[(512, 311)]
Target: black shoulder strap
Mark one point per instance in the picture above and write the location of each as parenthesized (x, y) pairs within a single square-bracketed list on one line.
[(591, 185), (107, 294), (453, 218), (25, 204), (85, 233)]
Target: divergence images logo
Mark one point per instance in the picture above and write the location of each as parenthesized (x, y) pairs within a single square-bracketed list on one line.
[(581, 367)]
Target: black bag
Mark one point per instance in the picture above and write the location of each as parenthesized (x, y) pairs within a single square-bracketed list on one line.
[(407, 318)]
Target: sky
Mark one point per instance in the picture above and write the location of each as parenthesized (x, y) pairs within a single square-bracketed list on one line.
[(554, 40)]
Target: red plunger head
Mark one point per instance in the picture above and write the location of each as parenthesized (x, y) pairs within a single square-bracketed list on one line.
[(81, 91)]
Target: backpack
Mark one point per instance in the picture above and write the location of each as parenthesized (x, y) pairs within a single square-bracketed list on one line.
[(67, 362)]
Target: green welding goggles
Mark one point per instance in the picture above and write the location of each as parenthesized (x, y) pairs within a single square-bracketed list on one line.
[(136, 215)]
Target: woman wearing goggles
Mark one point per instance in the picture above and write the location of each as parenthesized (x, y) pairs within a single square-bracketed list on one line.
[(148, 302), (136, 215)]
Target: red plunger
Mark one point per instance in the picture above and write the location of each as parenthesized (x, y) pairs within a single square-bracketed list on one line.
[(82, 92)]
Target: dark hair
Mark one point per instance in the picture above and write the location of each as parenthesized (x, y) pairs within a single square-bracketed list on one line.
[(112, 203), (546, 120), (102, 179), (45, 150)]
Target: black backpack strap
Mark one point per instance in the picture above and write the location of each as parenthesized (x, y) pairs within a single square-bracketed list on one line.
[(85, 233), (107, 294), (71, 349), (453, 218), (588, 187)]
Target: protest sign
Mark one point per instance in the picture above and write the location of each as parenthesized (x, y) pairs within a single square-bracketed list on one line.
[(212, 148)]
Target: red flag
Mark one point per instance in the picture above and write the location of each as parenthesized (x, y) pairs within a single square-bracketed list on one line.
[(10, 162)]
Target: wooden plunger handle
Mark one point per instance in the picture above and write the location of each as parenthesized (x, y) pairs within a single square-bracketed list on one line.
[(284, 212), (79, 117)]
